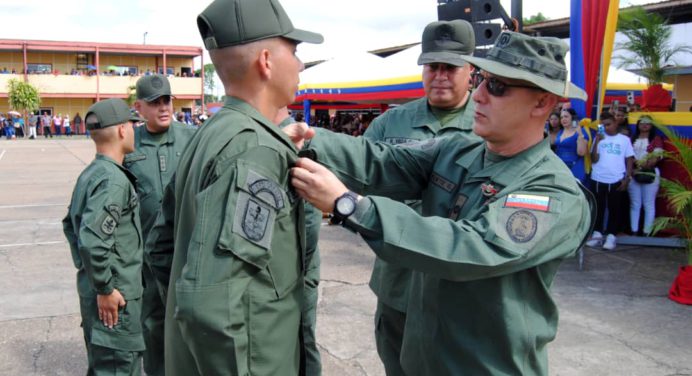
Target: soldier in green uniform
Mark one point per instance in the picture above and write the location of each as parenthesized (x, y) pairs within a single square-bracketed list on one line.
[(158, 147), (236, 279), (103, 229), (308, 321), (498, 217), (445, 108)]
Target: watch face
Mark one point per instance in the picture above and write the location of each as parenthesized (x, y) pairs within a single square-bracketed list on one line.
[(345, 206)]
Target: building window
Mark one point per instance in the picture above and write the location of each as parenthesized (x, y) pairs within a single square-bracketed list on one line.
[(39, 68), (169, 71)]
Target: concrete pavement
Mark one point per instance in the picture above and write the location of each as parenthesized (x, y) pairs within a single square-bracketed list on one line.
[(615, 318)]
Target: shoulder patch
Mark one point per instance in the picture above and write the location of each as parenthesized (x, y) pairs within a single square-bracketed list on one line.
[(115, 211), (521, 226), (265, 189), (108, 225), (531, 202), (254, 220)]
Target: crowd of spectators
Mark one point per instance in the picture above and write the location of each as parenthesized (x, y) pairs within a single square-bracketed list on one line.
[(92, 72), (618, 164), (352, 123)]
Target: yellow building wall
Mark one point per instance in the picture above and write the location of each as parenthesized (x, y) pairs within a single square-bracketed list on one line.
[(683, 92), (11, 60)]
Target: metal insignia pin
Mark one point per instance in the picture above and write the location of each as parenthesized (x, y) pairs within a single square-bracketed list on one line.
[(488, 189)]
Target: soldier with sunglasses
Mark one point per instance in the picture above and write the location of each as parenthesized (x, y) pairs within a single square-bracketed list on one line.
[(498, 217)]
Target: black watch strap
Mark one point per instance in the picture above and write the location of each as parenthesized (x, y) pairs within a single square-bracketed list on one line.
[(338, 217)]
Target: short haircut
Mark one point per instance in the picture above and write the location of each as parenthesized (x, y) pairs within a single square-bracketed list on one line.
[(606, 116)]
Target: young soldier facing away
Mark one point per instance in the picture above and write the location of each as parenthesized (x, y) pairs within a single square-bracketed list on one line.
[(103, 229)]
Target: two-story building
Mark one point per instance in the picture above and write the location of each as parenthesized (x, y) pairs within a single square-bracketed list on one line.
[(71, 76)]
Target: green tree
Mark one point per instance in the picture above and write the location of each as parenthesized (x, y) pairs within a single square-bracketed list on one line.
[(649, 45), (23, 96), (678, 194), (209, 78), (535, 19), (131, 95)]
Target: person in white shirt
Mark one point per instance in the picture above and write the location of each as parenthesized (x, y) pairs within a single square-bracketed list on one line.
[(648, 151), (612, 158)]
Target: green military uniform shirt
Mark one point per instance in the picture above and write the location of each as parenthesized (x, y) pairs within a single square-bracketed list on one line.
[(235, 294), (154, 162), (411, 122), (102, 227), (492, 234)]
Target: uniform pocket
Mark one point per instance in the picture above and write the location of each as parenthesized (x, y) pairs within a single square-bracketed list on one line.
[(212, 324), (126, 335)]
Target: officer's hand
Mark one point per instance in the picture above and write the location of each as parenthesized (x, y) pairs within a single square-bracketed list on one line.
[(316, 184), (298, 133), (108, 307), (623, 184)]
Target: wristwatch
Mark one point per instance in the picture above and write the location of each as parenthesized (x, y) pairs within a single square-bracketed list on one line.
[(344, 206)]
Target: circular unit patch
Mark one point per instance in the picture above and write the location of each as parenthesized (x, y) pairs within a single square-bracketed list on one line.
[(521, 226)]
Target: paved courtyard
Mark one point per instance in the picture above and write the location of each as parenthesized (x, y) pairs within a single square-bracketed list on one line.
[(615, 318)]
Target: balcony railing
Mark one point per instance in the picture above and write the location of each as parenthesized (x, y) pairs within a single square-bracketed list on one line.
[(108, 85)]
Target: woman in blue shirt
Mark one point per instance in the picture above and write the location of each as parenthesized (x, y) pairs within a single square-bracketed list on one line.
[(571, 143)]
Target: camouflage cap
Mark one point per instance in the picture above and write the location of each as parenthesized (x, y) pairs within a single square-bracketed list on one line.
[(150, 88), (539, 60), (226, 23), (446, 41), (107, 113)]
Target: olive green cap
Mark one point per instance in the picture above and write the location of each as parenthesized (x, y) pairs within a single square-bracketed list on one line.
[(150, 88), (446, 41), (226, 23), (107, 113), (539, 60)]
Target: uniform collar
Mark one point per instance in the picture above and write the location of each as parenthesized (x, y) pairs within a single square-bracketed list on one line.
[(147, 138), (424, 117), (507, 171), (245, 108), (108, 159)]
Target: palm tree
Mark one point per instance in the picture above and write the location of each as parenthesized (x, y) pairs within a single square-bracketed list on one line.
[(648, 44)]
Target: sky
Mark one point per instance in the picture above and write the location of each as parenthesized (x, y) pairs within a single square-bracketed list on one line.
[(348, 26)]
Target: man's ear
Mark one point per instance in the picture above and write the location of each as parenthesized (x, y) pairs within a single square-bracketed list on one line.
[(138, 106), (264, 63), (544, 105)]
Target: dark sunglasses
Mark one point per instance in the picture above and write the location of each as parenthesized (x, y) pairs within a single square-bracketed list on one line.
[(495, 87)]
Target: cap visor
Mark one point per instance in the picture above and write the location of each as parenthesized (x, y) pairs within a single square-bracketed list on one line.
[(441, 57), (304, 36), (503, 70), (136, 119)]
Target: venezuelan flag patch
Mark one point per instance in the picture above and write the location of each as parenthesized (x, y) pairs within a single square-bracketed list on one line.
[(532, 202)]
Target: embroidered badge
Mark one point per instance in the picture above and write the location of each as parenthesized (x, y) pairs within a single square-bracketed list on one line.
[(114, 210), (521, 226), (255, 220), (162, 163), (108, 225), (454, 213), (269, 188), (399, 140), (442, 182), (488, 189), (531, 202)]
